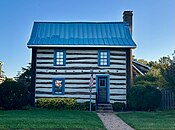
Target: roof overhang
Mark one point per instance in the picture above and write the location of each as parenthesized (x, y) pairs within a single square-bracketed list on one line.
[(81, 46), (140, 64), (134, 67)]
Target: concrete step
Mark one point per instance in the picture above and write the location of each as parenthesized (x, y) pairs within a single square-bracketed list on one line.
[(104, 108), (105, 111)]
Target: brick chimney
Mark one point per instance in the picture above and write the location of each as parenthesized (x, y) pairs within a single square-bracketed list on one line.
[(127, 17)]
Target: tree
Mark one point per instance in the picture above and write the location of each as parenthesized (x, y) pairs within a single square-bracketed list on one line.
[(13, 95), (155, 76), (140, 60), (24, 77), (169, 75), (143, 61)]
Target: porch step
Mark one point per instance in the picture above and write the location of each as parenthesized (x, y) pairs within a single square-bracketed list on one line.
[(104, 108)]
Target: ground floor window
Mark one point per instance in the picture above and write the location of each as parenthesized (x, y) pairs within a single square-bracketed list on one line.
[(58, 86)]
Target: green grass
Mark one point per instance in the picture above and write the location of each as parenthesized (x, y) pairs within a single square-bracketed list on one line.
[(49, 119), (161, 120)]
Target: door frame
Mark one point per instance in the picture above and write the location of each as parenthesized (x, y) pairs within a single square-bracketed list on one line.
[(107, 87)]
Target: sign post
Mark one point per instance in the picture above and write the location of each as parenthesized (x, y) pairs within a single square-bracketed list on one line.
[(91, 82)]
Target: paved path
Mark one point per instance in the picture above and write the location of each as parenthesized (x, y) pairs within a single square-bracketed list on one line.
[(113, 122)]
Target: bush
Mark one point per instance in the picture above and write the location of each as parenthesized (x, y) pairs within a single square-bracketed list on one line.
[(63, 104), (146, 83), (118, 106), (146, 77), (56, 103), (144, 98), (85, 106), (169, 74), (13, 95)]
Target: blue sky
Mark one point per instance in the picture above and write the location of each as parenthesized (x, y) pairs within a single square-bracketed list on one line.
[(153, 24)]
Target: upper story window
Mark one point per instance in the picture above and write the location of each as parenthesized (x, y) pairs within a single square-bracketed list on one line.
[(103, 58), (60, 57)]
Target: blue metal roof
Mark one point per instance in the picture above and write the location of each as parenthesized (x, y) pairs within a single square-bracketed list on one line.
[(79, 34)]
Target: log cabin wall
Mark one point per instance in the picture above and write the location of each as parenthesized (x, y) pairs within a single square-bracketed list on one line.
[(77, 73)]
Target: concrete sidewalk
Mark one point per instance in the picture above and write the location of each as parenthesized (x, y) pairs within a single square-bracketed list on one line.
[(113, 122)]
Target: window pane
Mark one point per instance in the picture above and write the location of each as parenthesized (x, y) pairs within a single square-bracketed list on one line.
[(58, 54), (61, 62), (58, 60), (105, 63), (105, 53), (105, 60), (61, 56), (101, 62), (61, 53), (58, 86), (102, 82)]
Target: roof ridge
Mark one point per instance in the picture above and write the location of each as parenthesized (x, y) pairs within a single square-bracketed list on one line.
[(72, 22)]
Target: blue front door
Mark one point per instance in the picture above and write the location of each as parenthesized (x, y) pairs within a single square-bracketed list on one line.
[(102, 89)]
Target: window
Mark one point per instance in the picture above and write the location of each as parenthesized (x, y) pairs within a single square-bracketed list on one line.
[(58, 86), (102, 82), (60, 57), (103, 58)]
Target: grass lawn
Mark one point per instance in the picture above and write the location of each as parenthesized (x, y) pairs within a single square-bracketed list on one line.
[(49, 119), (162, 120)]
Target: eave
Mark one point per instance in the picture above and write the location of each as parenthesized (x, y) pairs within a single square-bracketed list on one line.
[(80, 46)]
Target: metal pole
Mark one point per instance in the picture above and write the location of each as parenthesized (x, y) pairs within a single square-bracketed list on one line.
[(90, 87), (90, 101)]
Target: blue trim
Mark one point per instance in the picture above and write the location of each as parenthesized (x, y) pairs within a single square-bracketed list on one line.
[(108, 85), (55, 57), (108, 57), (63, 85)]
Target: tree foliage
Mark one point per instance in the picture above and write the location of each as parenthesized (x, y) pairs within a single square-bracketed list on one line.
[(24, 77), (162, 74), (13, 95), (169, 76)]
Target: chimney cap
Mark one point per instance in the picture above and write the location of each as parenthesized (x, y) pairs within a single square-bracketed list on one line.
[(127, 12)]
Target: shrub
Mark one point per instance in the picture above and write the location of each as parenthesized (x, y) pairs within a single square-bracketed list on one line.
[(56, 103), (146, 77), (85, 106), (13, 95), (169, 74), (144, 98), (146, 83), (63, 104), (118, 106)]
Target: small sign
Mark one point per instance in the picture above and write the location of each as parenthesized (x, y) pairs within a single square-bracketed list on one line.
[(91, 82)]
